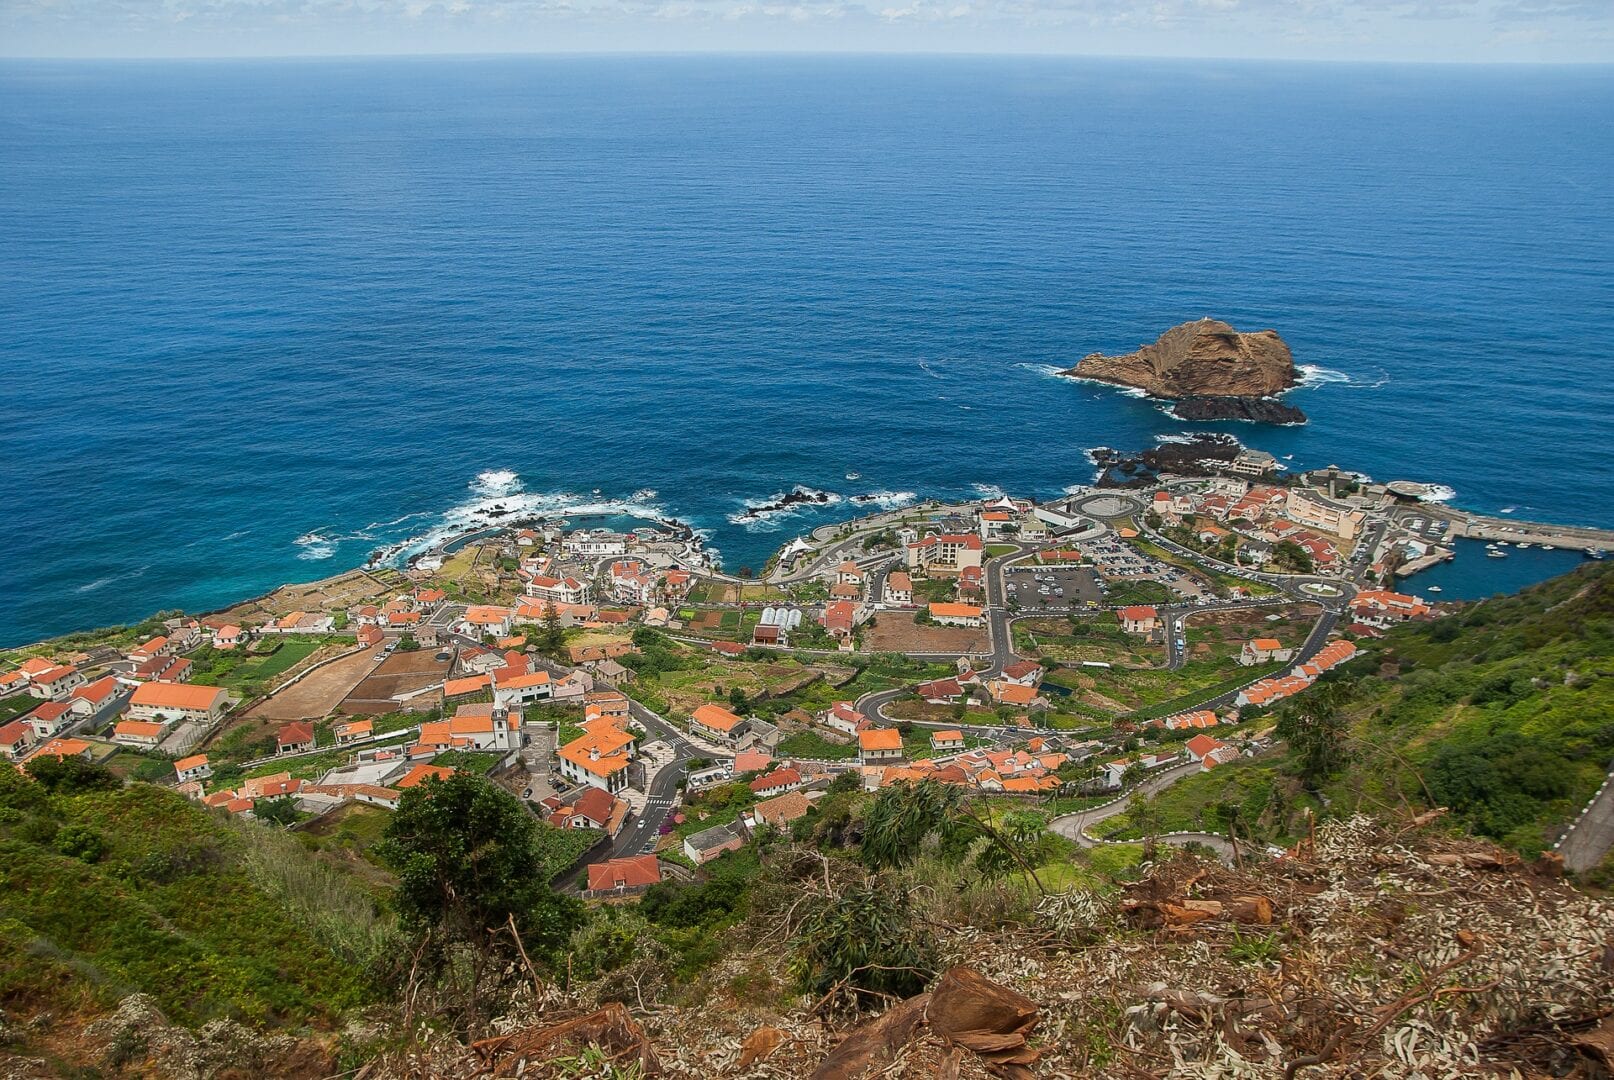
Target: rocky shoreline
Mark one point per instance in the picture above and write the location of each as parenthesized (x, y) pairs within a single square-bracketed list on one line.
[(1119, 469), (1260, 410), (1210, 370)]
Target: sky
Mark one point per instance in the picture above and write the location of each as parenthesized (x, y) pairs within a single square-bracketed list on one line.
[(1462, 31)]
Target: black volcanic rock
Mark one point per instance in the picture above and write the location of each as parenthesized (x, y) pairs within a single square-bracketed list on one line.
[(1263, 410)]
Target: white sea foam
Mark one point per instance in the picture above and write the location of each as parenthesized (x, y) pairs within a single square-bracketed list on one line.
[(316, 552), (1127, 391), (761, 515), (1508, 510), (497, 482), (1437, 493), (97, 583), (1317, 375), (498, 499), (988, 491), (886, 500), (928, 370), (1053, 371)]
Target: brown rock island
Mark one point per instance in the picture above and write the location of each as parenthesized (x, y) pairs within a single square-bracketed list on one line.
[(1210, 370)]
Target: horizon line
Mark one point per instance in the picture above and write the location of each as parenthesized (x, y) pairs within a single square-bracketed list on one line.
[(951, 54)]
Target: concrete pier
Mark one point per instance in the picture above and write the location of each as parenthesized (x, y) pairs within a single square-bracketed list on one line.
[(1479, 527)]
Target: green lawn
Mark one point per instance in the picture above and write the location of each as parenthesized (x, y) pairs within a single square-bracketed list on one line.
[(470, 761), (997, 551)]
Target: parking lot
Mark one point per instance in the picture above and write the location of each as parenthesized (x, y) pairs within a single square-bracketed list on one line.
[(1052, 586), (1118, 561)]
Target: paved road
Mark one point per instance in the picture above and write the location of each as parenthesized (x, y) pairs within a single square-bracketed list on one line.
[(1075, 825), (1592, 834)]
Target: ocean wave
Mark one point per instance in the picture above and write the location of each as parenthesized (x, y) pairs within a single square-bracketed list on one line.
[(494, 482), (886, 500), (928, 370), (988, 491), (1080, 489), (1052, 371), (1508, 510), (760, 514), (499, 500), (1317, 375), (1437, 493), (1125, 391), (316, 552), (97, 583)]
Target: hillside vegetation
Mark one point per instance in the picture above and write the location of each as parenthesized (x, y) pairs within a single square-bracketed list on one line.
[(111, 890), (1503, 712)]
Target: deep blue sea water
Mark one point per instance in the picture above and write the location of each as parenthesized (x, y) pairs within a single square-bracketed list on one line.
[(261, 318)]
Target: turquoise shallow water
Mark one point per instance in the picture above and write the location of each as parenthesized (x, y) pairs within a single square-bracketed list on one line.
[(263, 318)]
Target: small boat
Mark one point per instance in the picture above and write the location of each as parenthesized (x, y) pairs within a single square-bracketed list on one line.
[(854, 476), (1522, 544), (1496, 553), (1595, 553), (1435, 588)]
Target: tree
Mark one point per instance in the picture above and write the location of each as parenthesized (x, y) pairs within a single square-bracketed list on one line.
[(903, 816), (470, 859), (72, 775), (1315, 730), (737, 700), (280, 811), (554, 637)]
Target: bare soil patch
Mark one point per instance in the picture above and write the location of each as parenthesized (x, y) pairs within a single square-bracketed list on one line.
[(397, 674), (896, 631), (319, 693)]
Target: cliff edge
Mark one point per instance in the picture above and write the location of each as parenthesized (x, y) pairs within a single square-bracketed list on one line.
[(1207, 358)]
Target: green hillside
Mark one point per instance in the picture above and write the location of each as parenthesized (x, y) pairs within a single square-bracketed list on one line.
[(110, 890), (1503, 712)]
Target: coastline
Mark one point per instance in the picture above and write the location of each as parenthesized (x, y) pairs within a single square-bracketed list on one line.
[(1466, 525)]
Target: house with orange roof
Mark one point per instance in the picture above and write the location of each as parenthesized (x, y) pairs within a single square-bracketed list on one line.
[(56, 682), (945, 553), (843, 717), (354, 731), (1200, 745), (601, 757), (227, 637), (623, 877), (956, 614), (593, 808), (1139, 619), (1263, 651), (139, 733), (776, 783), (420, 774), (49, 718), (65, 748), (368, 636), (879, 746), (950, 739), (1016, 694), (898, 589), (191, 768), (479, 725), (558, 590), (941, 691), (295, 738), (482, 619), (157, 646), (601, 650), (15, 740), (840, 620), (466, 687), (713, 722), (1185, 721), (778, 811), (514, 686), (177, 701)]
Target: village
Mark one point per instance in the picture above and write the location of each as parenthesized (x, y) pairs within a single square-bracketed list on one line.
[(1061, 653)]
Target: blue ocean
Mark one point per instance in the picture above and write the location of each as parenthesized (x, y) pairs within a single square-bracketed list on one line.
[(261, 319)]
